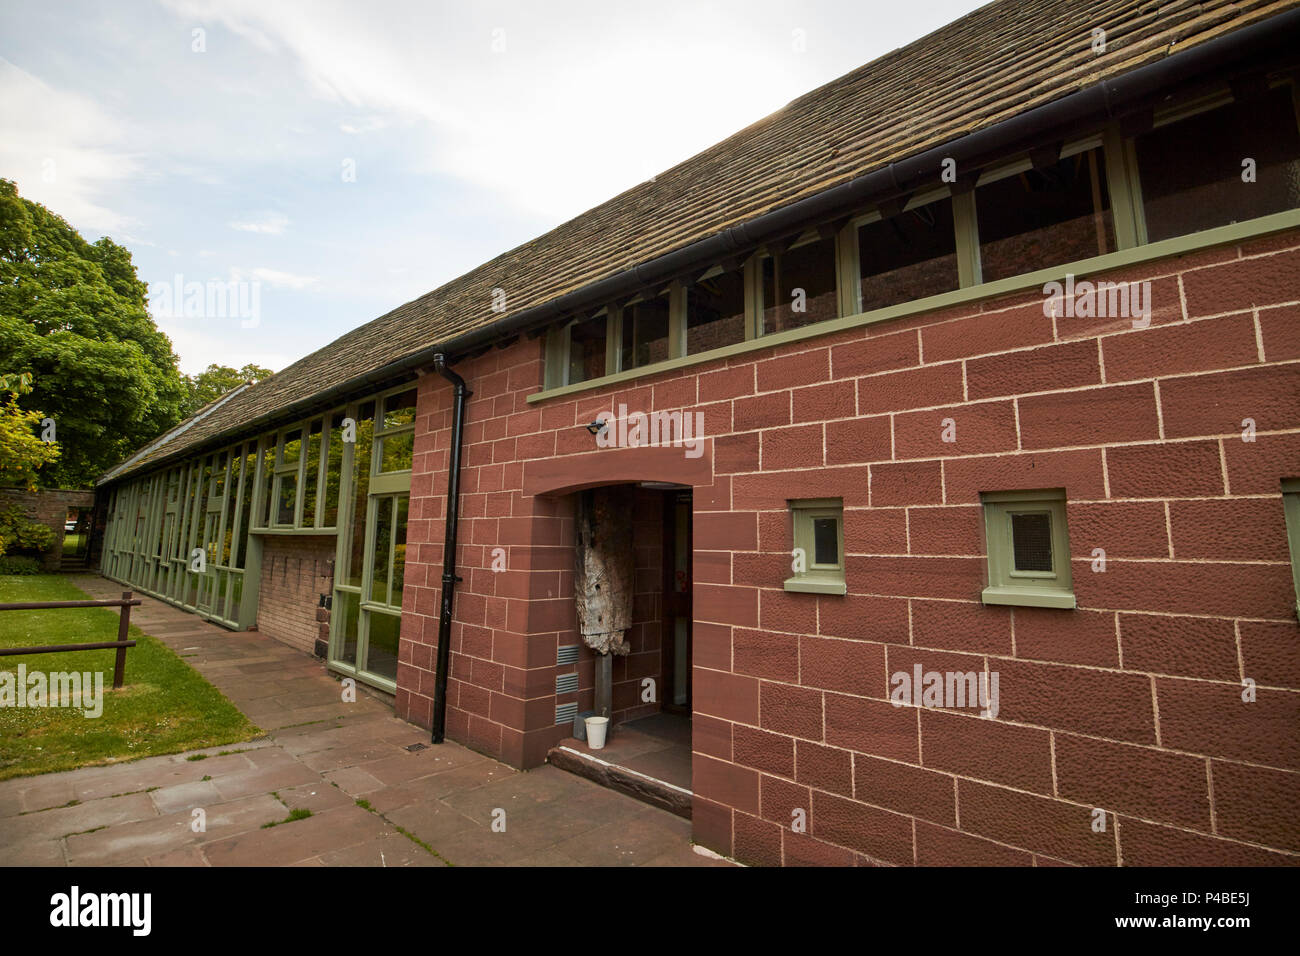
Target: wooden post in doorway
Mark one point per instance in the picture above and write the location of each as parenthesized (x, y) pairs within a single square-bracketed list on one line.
[(604, 581)]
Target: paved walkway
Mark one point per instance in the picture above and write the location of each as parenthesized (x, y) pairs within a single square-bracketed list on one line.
[(373, 801)]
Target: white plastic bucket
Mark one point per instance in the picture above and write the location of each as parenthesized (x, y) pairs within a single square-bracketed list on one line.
[(596, 728)]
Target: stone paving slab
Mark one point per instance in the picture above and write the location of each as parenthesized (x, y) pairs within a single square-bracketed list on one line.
[(372, 802)]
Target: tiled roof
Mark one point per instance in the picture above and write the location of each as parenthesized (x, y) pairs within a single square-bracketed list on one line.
[(999, 61)]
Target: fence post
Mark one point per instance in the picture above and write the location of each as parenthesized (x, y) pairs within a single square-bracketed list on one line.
[(123, 629)]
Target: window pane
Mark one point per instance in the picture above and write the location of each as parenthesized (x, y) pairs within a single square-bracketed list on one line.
[(395, 451), (219, 476), (809, 268), (908, 256), (333, 471), (381, 653), (399, 409), (382, 537), (292, 447), (232, 502), (1031, 540), (250, 463), (399, 551), (268, 459), (645, 332), (1044, 217), (361, 489), (346, 607), (1191, 170), (587, 350), (309, 479), (826, 541), (288, 500), (715, 312)]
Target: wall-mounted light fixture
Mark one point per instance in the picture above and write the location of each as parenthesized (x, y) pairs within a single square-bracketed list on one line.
[(597, 426)]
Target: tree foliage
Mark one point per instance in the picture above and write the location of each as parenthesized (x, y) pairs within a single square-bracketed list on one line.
[(215, 380), (22, 452), (20, 533), (74, 315)]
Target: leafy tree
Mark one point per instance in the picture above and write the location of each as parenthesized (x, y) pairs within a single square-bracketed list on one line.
[(19, 533), (74, 315), (215, 380), (22, 452)]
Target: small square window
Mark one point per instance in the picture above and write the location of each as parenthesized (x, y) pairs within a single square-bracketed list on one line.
[(1028, 549), (1031, 541), (818, 556)]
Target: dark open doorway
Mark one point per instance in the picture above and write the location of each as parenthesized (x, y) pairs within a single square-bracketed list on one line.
[(76, 539), (647, 751)]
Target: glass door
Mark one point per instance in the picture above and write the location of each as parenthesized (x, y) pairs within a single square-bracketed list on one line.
[(381, 610), (370, 568)]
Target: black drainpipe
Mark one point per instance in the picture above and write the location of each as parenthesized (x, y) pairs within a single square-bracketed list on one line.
[(449, 578)]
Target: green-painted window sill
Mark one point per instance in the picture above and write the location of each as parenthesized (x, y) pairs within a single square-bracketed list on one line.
[(1029, 597), (816, 584)]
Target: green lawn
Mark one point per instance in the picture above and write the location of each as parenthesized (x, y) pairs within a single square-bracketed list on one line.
[(164, 707), (71, 542)]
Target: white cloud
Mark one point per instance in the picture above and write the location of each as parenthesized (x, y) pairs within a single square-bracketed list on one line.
[(281, 280), (578, 102), (62, 149), (368, 125), (272, 224)]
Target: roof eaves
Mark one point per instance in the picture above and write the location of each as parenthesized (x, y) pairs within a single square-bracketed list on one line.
[(172, 433)]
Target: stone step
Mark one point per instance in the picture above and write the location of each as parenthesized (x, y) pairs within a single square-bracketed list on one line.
[(575, 758)]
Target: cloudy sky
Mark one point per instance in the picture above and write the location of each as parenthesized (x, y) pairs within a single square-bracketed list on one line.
[(343, 158)]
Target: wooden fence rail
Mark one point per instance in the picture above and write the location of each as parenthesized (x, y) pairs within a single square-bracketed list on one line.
[(126, 602)]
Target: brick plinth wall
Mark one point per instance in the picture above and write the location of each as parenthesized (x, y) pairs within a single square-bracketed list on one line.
[(1131, 704), (48, 506), (296, 571)]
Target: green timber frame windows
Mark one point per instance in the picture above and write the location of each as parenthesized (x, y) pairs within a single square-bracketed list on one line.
[(798, 284), (1175, 175), (647, 330), (902, 256), (370, 561), (1193, 168), (1043, 211), (308, 478), (1028, 548), (715, 309), (587, 346), (818, 554), (300, 476), (191, 546), (1291, 509), (395, 434)]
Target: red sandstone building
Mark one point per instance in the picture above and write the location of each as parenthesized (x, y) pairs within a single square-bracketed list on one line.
[(990, 352)]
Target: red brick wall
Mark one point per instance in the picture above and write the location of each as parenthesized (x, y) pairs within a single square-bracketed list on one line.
[(646, 640), (296, 571), (47, 506), (1131, 703)]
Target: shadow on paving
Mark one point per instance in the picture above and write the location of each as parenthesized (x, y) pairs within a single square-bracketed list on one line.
[(372, 801)]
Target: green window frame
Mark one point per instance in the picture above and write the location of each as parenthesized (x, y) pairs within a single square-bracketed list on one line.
[(373, 515), (1014, 525), (1118, 163), (201, 504), (1291, 511), (816, 524), (395, 427)]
